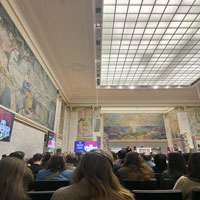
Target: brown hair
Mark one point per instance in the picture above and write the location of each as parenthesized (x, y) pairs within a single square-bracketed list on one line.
[(96, 168), (194, 167), (138, 170), (71, 158), (56, 163), (14, 179)]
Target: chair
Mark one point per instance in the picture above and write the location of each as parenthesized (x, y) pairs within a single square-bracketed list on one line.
[(158, 178), (44, 195), (49, 185), (140, 185), (157, 194), (196, 194), (167, 184)]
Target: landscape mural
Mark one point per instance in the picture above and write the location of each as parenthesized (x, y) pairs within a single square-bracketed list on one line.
[(139, 126), (85, 122), (25, 87), (173, 120), (194, 119)]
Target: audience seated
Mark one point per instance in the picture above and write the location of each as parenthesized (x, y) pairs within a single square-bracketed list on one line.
[(192, 180), (176, 167), (21, 155), (186, 157), (119, 163), (14, 179), (148, 160), (56, 170), (36, 166), (94, 179), (45, 158), (79, 155), (71, 160), (135, 168), (160, 162)]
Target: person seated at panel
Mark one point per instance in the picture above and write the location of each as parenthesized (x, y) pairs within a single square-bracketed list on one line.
[(14, 179), (36, 166), (119, 163), (192, 179), (71, 160), (56, 170), (176, 167), (94, 180), (128, 149), (148, 160), (160, 162), (135, 168)]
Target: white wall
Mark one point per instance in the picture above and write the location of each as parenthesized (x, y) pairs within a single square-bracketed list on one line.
[(72, 130), (23, 138)]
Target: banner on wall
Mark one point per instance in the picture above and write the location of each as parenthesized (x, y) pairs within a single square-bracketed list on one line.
[(6, 124)]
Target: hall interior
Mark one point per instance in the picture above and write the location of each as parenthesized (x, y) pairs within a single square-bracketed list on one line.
[(121, 70)]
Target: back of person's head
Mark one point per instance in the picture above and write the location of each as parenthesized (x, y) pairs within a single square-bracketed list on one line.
[(56, 163), (45, 158), (14, 179), (37, 157), (71, 158), (160, 161), (121, 154), (17, 154), (146, 157), (96, 168), (114, 155), (133, 159), (186, 157), (194, 166), (176, 163), (3, 156)]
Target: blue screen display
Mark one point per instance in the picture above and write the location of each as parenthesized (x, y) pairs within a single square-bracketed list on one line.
[(85, 146)]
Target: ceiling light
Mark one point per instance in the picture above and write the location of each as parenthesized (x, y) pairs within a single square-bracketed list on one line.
[(132, 87), (147, 44), (155, 87)]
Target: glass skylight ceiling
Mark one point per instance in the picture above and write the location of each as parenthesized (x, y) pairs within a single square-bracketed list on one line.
[(150, 43)]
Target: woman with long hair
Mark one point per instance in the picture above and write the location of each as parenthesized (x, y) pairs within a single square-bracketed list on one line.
[(56, 170), (14, 179), (94, 180), (192, 180), (176, 167), (135, 168)]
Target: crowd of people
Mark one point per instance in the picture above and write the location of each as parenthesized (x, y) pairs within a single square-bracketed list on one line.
[(98, 174)]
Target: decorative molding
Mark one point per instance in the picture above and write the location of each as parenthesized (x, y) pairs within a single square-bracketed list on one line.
[(27, 121)]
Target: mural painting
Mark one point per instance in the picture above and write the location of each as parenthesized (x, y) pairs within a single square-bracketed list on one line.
[(85, 122), (25, 87), (193, 114), (140, 126), (174, 124)]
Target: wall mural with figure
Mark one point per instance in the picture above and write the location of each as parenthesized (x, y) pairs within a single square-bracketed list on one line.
[(85, 122), (25, 87), (173, 121), (193, 113), (140, 126)]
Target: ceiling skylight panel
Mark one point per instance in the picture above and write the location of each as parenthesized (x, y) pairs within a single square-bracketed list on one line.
[(109, 9), (156, 36)]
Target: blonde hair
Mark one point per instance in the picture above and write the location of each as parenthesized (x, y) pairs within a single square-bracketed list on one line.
[(14, 179), (96, 168)]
